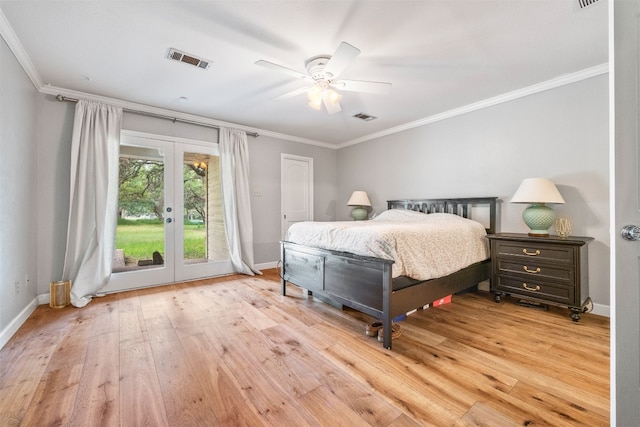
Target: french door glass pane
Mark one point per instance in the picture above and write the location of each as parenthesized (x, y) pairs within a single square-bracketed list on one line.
[(203, 230), (140, 236)]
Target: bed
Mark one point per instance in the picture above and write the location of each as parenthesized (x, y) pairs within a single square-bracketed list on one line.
[(366, 283)]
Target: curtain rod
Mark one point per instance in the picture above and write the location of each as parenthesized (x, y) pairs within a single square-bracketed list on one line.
[(159, 116)]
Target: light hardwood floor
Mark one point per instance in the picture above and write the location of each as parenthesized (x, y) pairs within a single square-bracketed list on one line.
[(232, 351)]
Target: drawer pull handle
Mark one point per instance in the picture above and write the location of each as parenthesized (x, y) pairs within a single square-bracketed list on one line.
[(529, 288), (525, 268), (537, 252)]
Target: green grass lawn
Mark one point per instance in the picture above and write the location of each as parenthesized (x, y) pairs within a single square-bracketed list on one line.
[(141, 238)]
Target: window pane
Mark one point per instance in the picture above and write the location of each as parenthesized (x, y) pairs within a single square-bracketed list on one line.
[(204, 235), (140, 237)]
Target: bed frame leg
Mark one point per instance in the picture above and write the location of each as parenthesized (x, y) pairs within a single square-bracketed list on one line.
[(386, 306), (282, 280), (386, 333)]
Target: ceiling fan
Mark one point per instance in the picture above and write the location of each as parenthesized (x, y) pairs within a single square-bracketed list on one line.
[(323, 72)]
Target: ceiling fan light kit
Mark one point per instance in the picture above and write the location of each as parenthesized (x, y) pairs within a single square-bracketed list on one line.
[(315, 92), (320, 93), (323, 71)]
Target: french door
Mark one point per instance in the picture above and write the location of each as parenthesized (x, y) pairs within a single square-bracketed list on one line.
[(170, 225)]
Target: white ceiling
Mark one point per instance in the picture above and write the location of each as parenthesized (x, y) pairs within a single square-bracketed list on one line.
[(439, 55)]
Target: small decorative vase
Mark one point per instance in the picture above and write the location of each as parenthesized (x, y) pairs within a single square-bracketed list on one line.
[(563, 227)]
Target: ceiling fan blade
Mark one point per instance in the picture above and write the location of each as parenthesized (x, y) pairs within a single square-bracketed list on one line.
[(341, 60), (332, 105), (292, 93), (362, 86), (282, 69)]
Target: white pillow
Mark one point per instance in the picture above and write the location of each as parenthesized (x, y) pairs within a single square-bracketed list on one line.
[(400, 215)]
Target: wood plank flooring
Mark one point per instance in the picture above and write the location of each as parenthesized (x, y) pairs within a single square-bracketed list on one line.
[(233, 352)]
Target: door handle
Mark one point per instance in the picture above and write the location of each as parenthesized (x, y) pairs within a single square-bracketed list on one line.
[(630, 232)]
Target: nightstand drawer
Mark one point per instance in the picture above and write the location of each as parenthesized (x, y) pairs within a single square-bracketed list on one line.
[(536, 251), (537, 289), (535, 271)]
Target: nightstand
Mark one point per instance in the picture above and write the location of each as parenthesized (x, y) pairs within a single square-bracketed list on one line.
[(551, 270)]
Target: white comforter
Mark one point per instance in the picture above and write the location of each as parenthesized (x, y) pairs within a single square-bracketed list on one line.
[(423, 246)]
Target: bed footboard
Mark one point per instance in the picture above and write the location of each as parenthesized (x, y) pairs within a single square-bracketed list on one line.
[(365, 284), (362, 283), (357, 279)]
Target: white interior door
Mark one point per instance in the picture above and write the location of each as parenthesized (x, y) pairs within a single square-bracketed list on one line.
[(625, 295), (171, 227), (296, 176)]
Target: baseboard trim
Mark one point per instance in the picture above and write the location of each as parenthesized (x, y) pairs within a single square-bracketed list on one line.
[(15, 324), (267, 265), (601, 310), (44, 299)]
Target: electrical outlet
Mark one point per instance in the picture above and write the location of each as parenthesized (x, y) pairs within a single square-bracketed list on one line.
[(17, 285), (257, 193)]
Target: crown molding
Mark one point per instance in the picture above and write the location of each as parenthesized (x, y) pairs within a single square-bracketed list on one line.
[(10, 37), (506, 97)]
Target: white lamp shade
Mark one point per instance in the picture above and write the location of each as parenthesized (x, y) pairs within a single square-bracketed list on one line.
[(537, 190), (359, 198)]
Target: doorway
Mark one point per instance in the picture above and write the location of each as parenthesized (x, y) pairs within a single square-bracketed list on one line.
[(170, 219), (296, 180)]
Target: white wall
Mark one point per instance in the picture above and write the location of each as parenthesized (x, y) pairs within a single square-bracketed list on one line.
[(18, 201), (55, 121), (265, 177), (560, 133)]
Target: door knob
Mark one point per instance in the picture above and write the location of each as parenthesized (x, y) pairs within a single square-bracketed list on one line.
[(630, 232)]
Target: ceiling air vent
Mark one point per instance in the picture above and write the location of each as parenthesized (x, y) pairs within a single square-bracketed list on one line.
[(177, 55), (365, 117), (585, 3)]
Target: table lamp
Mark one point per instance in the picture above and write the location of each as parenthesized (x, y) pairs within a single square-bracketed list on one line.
[(359, 199), (537, 192)]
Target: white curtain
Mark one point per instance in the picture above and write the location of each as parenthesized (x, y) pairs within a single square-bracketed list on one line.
[(93, 202), (234, 177)]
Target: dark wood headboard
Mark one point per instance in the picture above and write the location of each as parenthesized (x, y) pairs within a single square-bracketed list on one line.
[(457, 206)]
